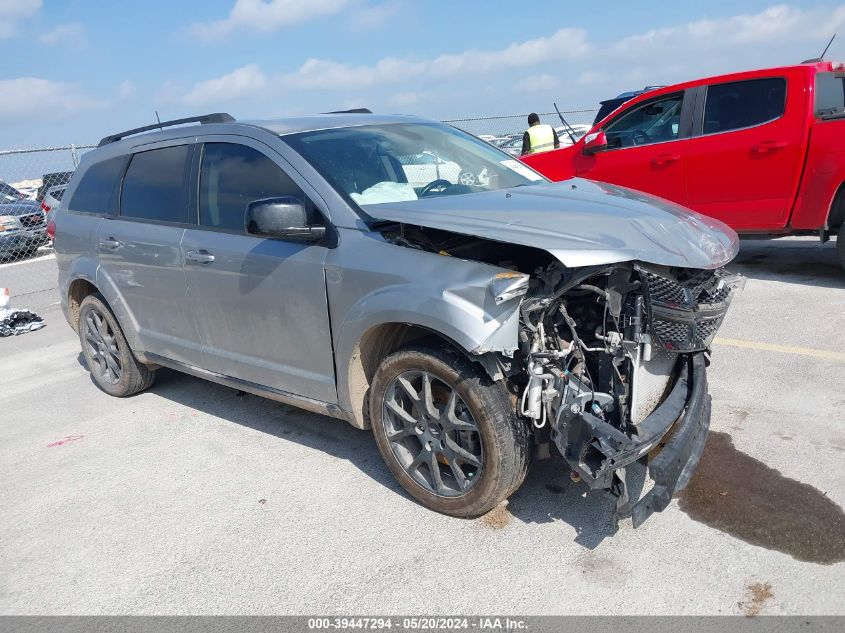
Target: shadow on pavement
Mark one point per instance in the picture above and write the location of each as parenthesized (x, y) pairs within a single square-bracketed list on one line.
[(547, 494), (798, 261)]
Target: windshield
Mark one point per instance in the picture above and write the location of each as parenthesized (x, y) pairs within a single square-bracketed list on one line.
[(830, 95), (376, 164)]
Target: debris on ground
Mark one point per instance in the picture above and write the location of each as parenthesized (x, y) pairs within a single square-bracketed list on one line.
[(498, 517), (14, 322), (759, 594)]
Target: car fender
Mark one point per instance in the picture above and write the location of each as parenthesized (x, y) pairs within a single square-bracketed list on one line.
[(445, 295)]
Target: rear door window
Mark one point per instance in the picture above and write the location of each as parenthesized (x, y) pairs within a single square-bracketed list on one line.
[(830, 95), (234, 175), (741, 104), (96, 190), (155, 186)]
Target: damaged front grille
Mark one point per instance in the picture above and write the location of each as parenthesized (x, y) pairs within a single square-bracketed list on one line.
[(686, 314)]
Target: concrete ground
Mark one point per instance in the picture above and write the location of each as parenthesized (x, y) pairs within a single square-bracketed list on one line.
[(191, 498)]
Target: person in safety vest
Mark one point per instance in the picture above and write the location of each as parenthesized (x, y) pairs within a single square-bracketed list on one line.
[(539, 137)]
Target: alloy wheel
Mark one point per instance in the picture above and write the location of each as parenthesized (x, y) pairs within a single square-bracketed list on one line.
[(432, 433), (103, 354)]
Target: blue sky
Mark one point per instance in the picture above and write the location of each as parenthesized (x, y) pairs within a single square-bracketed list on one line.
[(72, 71)]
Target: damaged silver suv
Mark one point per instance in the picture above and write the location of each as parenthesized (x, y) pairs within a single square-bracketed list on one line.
[(402, 275)]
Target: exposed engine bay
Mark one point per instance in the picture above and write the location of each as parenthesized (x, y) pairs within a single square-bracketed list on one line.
[(608, 357)]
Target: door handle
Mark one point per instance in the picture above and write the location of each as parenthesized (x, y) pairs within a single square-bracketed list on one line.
[(110, 244), (768, 146), (199, 257), (665, 159)]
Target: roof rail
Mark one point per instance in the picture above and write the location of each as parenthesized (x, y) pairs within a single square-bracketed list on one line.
[(217, 117), (352, 111)]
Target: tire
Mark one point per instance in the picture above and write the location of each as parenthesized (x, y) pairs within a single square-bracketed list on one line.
[(112, 364), (840, 244), (483, 425)]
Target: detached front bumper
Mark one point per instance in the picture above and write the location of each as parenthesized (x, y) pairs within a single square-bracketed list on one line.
[(673, 466), (676, 430)]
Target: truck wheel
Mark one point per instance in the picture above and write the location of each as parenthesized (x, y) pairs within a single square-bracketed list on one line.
[(840, 244), (110, 361), (447, 432)]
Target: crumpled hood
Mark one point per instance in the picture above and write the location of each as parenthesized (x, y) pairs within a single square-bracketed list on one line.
[(580, 222)]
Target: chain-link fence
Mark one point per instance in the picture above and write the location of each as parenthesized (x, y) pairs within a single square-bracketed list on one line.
[(505, 132), (32, 183)]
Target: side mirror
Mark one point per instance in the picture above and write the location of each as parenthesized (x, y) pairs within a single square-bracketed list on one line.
[(595, 142), (286, 218)]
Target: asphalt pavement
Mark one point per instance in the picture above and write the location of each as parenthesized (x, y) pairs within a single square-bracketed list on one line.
[(194, 499)]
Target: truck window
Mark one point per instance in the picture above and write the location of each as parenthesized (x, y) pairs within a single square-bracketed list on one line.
[(96, 189), (830, 95), (652, 122), (154, 186), (741, 104)]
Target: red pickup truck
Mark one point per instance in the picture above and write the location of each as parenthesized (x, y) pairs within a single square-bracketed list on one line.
[(763, 151)]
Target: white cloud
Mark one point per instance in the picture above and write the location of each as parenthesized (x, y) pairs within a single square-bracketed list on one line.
[(126, 90), (66, 34), (12, 11), (324, 74), (267, 16), (236, 84), (780, 24), (373, 17), (328, 74), (404, 99), (28, 98), (537, 83)]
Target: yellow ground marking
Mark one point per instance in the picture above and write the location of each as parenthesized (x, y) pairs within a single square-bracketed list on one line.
[(784, 349)]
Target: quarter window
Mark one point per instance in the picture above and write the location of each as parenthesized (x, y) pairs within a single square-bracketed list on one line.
[(741, 104), (155, 185), (830, 95), (234, 175), (95, 192), (653, 122)]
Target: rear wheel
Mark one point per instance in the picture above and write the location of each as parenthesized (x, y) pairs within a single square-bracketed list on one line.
[(113, 367), (447, 432), (840, 244)]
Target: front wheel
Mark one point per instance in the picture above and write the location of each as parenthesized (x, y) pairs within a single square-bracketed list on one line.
[(447, 432), (840, 244)]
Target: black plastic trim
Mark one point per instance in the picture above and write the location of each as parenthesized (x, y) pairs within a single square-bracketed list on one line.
[(216, 117)]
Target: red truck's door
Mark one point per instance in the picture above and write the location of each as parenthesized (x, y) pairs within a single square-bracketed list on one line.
[(646, 149), (746, 152)]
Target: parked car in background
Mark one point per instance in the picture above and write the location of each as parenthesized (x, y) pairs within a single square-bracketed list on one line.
[(464, 324), (761, 150), (22, 227), (609, 105), (510, 144), (50, 204), (52, 180), (565, 134), (8, 192)]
